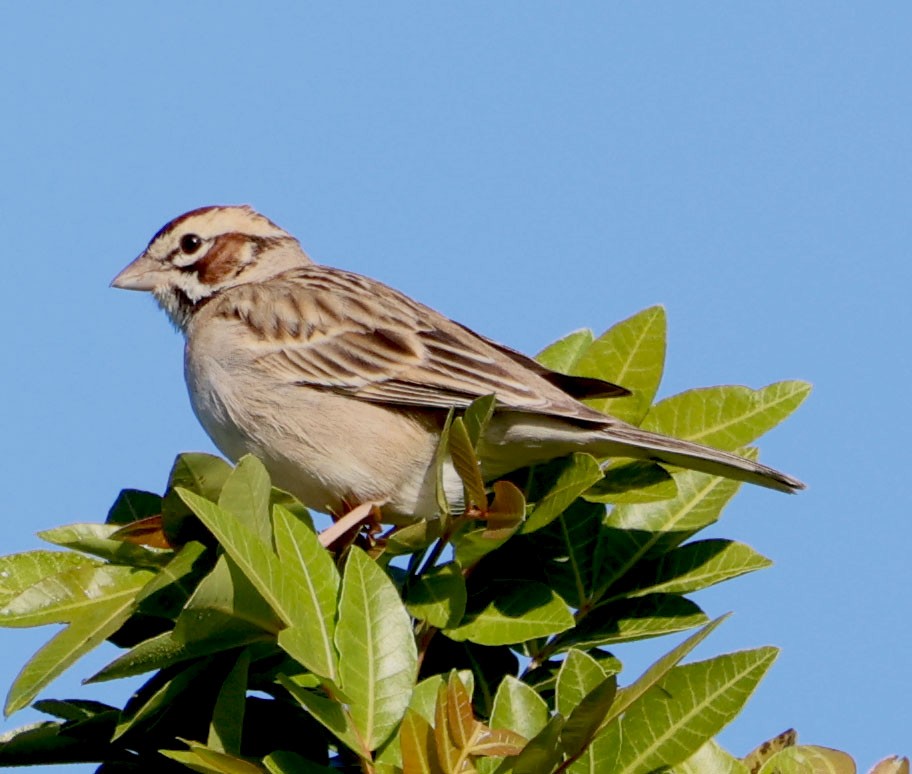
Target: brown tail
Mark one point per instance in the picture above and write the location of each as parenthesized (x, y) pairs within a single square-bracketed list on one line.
[(628, 441)]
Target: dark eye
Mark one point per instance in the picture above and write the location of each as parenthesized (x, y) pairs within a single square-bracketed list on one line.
[(190, 243)]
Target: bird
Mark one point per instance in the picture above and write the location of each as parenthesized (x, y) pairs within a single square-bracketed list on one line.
[(341, 385)]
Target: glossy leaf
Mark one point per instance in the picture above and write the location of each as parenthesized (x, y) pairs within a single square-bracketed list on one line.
[(579, 674), (416, 738), (245, 494), (640, 531), (517, 707), (96, 612), (635, 619), (809, 759), (726, 417), (564, 354), (20, 571), (631, 354), (331, 714), (223, 605), (438, 596), (462, 453), (711, 757), (477, 416), (542, 753), (96, 539), (571, 477), (638, 481), (313, 573), (521, 614), (699, 565), (685, 709), (377, 654), (285, 762), (228, 713)]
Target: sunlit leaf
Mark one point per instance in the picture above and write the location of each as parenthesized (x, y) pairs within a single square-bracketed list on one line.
[(517, 707), (245, 494), (312, 570), (632, 354), (726, 417), (685, 709), (808, 759), (20, 571), (520, 614), (96, 539), (711, 758), (638, 481), (570, 477), (564, 354), (438, 596), (377, 654), (465, 461)]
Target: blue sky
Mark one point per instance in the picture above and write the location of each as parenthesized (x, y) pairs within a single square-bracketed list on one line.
[(529, 169)]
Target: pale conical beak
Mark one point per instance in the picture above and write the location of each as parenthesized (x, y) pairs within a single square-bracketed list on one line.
[(144, 273)]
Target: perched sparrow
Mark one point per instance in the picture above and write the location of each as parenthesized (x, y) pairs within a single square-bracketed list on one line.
[(341, 384)]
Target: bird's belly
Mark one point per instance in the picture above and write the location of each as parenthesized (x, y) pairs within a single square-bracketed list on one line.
[(331, 452)]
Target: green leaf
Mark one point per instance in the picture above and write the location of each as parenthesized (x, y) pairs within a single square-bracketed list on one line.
[(685, 709), (626, 620), (568, 479), (632, 482), (228, 713), (20, 571), (331, 714), (132, 505), (524, 613), (584, 721), (377, 655), (209, 761), (726, 417), (698, 565), (224, 605), (632, 354), (809, 759), (564, 354), (541, 754), (414, 537), (517, 707), (175, 583), (96, 610), (632, 693), (477, 416), (52, 744), (95, 539), (313, 572), (639, 531), (424, 696), (162, 694), (567, 550), (462, 453), (202, 474), (438, 596), (73, 594), (285, 762), (711, 757), (253, 555), (579, 674), (246, 493), (164, 650), (470, 546)]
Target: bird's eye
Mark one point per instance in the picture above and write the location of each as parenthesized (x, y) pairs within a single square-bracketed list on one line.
[(190, 243)]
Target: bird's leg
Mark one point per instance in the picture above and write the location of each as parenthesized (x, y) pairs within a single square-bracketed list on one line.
[(349, 524)]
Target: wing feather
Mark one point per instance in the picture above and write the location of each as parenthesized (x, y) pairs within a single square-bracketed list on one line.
[(331, 329)]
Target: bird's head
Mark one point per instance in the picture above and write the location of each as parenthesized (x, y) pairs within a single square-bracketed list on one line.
[(206, 251)]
